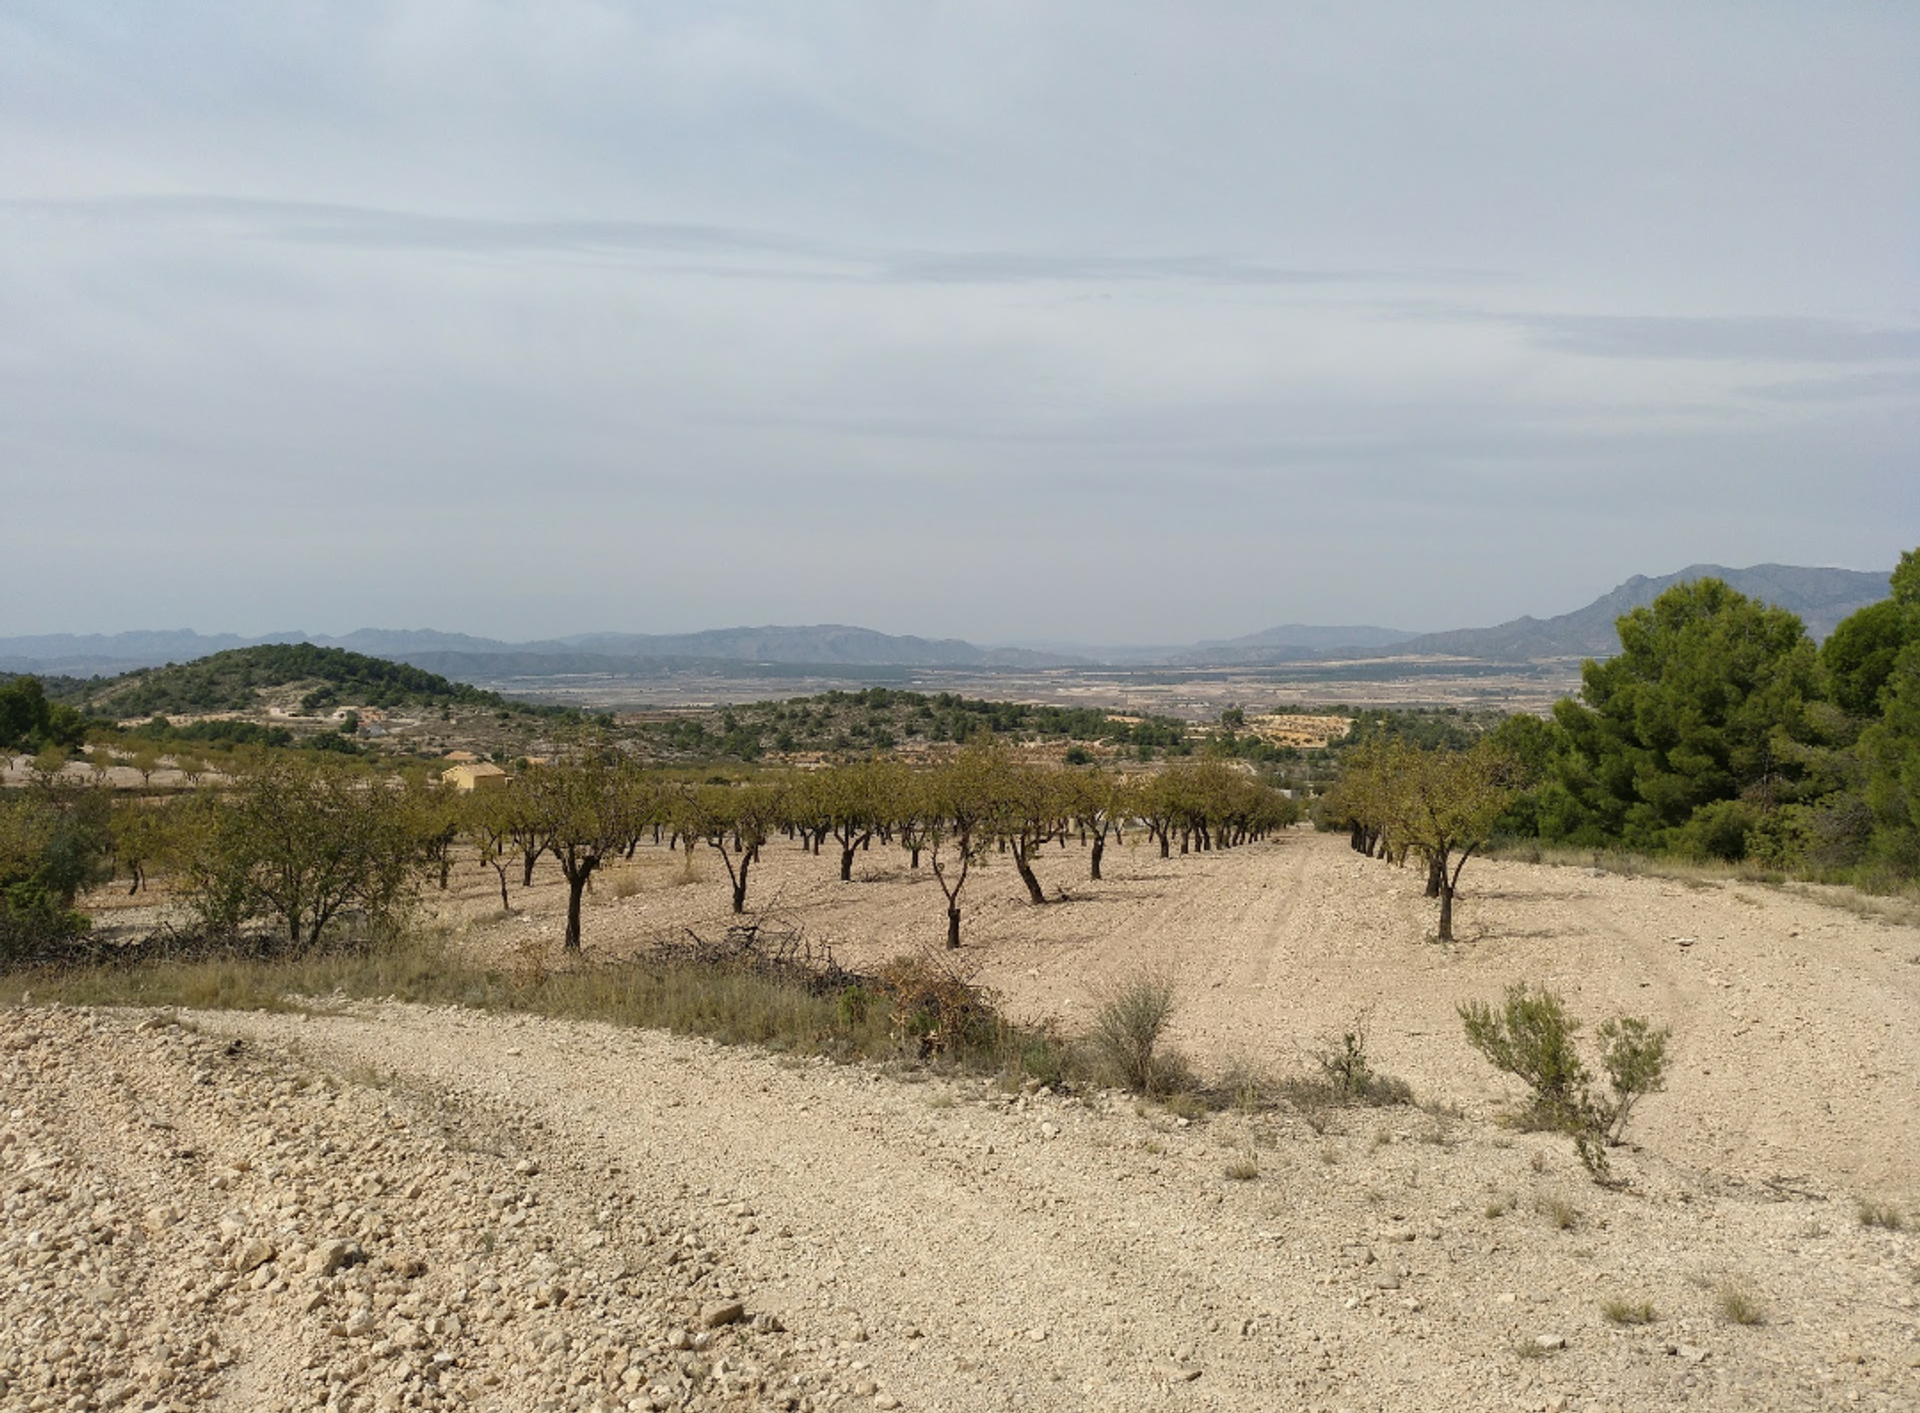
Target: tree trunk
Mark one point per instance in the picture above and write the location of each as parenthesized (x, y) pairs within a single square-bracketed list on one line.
[(1166, 849), (914, 854), (505, 906), (1026, 874), (740, 885), (578, 875), (846, 863), (1437, 877), (1446, 912), (1099, 848), (953, 927)]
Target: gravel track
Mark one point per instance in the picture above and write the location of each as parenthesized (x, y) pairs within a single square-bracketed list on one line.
[(383, 1206)]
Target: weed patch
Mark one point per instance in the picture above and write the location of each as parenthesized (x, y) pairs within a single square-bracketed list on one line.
[(1620, 1311)]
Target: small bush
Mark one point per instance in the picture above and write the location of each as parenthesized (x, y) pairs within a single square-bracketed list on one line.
[(1627, 1312), (1243, 1169), (936, 1008), (1346, 1064), (1532, 1038), (1346, 1077), (1127, 1031), (1741, 1305), (1241, 1086), (1185, 1103), (1635, 1059)]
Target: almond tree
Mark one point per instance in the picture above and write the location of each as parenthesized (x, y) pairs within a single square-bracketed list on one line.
[(298, 844), (911, 812), (586, 808), (488, 819), (748, 813), (1031, 804), (852, 803), (960, 824), (1445, 806)]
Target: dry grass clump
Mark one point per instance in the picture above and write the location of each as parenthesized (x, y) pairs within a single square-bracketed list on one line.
[(1621, 1311), (1243, 1169), (1881, 1214), (1561, 1214), (1125, 1040), (1741, 1304)]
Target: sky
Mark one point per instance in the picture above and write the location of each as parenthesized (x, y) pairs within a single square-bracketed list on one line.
[(1011, 320)]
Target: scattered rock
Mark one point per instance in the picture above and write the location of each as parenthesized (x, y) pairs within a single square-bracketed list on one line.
[(255, 1251), (334, 1254)]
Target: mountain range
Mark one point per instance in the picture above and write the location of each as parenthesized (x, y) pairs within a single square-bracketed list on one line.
[(1821, 597)]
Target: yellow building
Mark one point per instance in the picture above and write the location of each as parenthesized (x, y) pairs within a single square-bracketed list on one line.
[(479, 776)]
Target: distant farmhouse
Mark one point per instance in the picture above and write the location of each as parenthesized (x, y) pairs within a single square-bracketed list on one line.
[(479, 775)]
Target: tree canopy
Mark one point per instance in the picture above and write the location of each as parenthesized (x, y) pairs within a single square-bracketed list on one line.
[(1706, 702), (29, 721)]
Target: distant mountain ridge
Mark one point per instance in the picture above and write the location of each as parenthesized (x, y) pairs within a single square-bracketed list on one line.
[(1821, 597), (825, 645)]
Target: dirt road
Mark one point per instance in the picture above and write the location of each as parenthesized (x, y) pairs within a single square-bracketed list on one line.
[(390, 1207)]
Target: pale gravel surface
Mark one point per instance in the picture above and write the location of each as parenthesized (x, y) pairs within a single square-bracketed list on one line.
[(543, 1205)]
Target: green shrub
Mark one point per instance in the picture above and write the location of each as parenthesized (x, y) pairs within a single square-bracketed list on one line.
[(1716, 831), (1635, 1058), (1532, 1038), (1741, 1304)]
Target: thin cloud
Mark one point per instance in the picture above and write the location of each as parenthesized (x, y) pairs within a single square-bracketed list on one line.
[(1848, 387), (1756, 339), (372, 228)]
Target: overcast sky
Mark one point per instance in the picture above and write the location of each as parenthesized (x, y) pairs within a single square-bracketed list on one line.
[(1102, 321)]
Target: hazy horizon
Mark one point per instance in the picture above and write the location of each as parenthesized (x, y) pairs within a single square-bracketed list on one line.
[(1043, 644), (1096, 323)]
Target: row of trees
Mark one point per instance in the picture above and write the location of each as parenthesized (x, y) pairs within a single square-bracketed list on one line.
[(295, 842), (980, 800)]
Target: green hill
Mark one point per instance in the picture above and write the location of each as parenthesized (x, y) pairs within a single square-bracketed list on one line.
[(241, 678)]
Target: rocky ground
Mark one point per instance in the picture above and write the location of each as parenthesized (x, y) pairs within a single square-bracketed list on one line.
[(379, 1206)]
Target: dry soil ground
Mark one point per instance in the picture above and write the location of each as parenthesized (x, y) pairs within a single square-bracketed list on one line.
[(383, 1206)]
